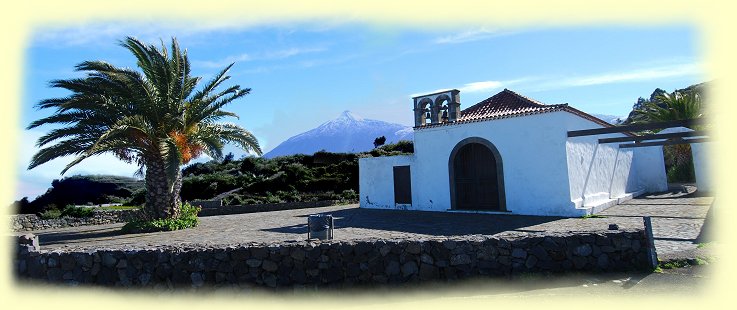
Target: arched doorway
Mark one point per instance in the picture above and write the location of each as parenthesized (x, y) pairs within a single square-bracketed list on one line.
[(476, 176)]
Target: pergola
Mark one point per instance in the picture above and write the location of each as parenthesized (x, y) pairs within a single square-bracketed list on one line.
[(686, 137)]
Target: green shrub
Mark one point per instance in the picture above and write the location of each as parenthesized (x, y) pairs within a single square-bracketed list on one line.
[(51, 214), (187, 219), (77, 211), (681, 173), (403, 147), (137, 198), (270, 198), (250, 201), (349, 195), (289, 196)]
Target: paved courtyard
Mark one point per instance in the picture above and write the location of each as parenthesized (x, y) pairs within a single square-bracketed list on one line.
[(678, 221)]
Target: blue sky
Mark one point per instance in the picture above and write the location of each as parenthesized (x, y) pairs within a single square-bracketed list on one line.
[(303, 74)]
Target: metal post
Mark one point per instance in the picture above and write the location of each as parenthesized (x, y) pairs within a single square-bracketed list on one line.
[(308, 227)]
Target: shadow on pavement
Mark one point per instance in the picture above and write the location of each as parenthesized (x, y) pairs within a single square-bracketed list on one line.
[(51, 238), (424, 222), (706, 233)]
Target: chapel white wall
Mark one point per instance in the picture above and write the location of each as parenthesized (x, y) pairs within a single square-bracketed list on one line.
[(533, 154), (376, 180), (599, 174), (545, 172)]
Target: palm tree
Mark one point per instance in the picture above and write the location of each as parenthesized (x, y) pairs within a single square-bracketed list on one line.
[(673, 106), (668, 107), (153, 118)]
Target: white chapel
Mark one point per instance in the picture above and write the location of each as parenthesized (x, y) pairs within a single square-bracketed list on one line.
[(508, 154)]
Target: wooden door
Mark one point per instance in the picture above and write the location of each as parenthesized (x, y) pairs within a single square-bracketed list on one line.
[(475, 176), (402, 185)]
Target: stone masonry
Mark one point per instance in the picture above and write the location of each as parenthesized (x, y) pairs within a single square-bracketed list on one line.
[(29, 222), (341, 263)]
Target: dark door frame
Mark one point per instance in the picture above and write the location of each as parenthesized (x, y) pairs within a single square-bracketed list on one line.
[(499, 170)]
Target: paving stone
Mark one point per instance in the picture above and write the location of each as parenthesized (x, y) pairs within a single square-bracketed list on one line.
[(675, 218)]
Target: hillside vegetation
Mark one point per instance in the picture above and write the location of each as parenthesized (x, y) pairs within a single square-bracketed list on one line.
[(250, 180), (634, 117), (83, 190)]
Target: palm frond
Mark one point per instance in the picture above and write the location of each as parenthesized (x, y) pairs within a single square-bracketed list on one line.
[(212, 84), (138, 114)]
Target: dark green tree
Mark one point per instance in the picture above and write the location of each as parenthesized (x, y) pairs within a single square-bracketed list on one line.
[(379, 141), (671, 106)]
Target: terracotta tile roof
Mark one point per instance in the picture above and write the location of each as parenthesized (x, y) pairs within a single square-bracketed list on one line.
[(507, 104)]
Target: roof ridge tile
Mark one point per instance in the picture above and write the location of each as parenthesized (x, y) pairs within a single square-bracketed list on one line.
[(508, 103)]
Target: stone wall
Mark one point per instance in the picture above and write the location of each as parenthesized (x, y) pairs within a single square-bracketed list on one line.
[(206, 204), (336, 263), (238, 209), (28, 222)]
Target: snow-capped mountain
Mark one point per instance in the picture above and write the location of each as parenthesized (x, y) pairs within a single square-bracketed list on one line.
[(611, 119), (349, 133)]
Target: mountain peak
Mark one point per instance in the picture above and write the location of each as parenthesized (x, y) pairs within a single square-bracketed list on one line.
[(347, 133), (348, 115)]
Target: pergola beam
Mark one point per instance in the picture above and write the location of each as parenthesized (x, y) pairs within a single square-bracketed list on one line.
[(654, 137), (637, 127), (666, 142)]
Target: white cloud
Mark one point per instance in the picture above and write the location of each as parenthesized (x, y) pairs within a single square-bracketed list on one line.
[(268, 55), (471, 35), (223, 62), (541, 83), (429, 92), (637, 75), (481, 86), (285, 53), (96, 32), (478, 87)]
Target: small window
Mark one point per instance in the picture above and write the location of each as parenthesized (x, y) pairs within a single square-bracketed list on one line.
[(402, 185)]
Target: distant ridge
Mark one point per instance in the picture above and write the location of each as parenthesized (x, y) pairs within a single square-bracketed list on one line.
[(349, 133), (611, 119)]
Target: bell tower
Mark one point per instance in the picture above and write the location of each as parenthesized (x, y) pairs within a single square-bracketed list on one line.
[(438, 107)]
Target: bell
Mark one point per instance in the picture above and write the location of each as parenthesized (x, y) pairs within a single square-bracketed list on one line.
[(427, 115), (445, 116)]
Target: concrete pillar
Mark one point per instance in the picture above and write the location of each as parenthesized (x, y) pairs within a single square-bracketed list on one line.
[(650, 168), (701, 166)]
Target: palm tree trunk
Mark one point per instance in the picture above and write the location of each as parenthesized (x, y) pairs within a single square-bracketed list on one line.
[(162, 199), (176, 195)]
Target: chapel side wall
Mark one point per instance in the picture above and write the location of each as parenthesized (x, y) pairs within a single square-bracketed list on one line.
[(376, 180), (598, 173), (532, 149)]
